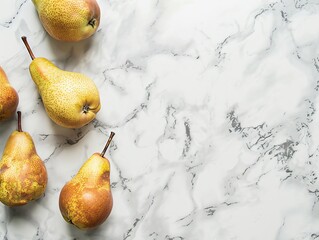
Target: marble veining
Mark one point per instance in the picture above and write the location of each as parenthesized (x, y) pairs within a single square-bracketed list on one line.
[(214, 106)]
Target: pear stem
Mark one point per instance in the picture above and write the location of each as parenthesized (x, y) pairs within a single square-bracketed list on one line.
[(25, 41), (107, 144), (19, 122)]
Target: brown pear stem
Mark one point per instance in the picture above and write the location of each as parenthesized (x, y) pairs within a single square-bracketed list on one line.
[(107, 144), (25, 41), (19, 122)]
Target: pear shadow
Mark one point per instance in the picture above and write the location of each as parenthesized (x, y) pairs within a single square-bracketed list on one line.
[(8, 126), (22, 211), (71, 135), (88, 233), (57, 128), (70, 52)]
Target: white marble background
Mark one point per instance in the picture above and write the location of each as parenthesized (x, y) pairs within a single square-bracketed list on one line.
[(214, 105)]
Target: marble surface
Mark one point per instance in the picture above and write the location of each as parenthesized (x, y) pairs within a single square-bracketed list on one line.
[(214, 106)]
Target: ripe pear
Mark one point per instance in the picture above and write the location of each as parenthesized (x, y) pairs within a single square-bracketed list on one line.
[(9, 98), (23, 176), (69, 20), (86, 200), (70, 99)]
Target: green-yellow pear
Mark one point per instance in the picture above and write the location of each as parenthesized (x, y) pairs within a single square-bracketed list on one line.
[(9, 98), (86, 200), (23, 176), (69, 20), (70, 99)]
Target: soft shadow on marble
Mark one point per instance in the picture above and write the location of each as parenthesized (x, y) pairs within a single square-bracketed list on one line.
[(214, 106)]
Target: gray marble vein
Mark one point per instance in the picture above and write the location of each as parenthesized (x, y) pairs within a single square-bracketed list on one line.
[(214, 106)]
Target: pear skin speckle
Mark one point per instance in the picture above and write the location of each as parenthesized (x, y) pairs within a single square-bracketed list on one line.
[(69, 20), (23, 176), (71, 99)]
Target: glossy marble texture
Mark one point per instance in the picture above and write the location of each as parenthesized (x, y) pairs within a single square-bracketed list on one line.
[(214, 105)]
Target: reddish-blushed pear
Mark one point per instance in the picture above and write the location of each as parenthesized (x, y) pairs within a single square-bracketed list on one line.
[(86, 200), (9, 98)]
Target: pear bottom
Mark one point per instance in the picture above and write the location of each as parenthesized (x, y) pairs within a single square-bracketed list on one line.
[(22, 183), (85, 207)]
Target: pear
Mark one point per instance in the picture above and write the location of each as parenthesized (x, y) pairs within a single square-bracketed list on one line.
[(70, 99), (23, 176), (69, 20), (86, 200), (9, 98)]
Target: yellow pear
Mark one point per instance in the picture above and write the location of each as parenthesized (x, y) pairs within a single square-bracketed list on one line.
[(70, 99), (9, 98), (86, 200), (23, 176), (69, 20)]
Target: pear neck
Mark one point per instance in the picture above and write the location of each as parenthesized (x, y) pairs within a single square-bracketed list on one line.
[(35, 2), (40, 69), (20, 146), (3, 76), (94, 167)]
